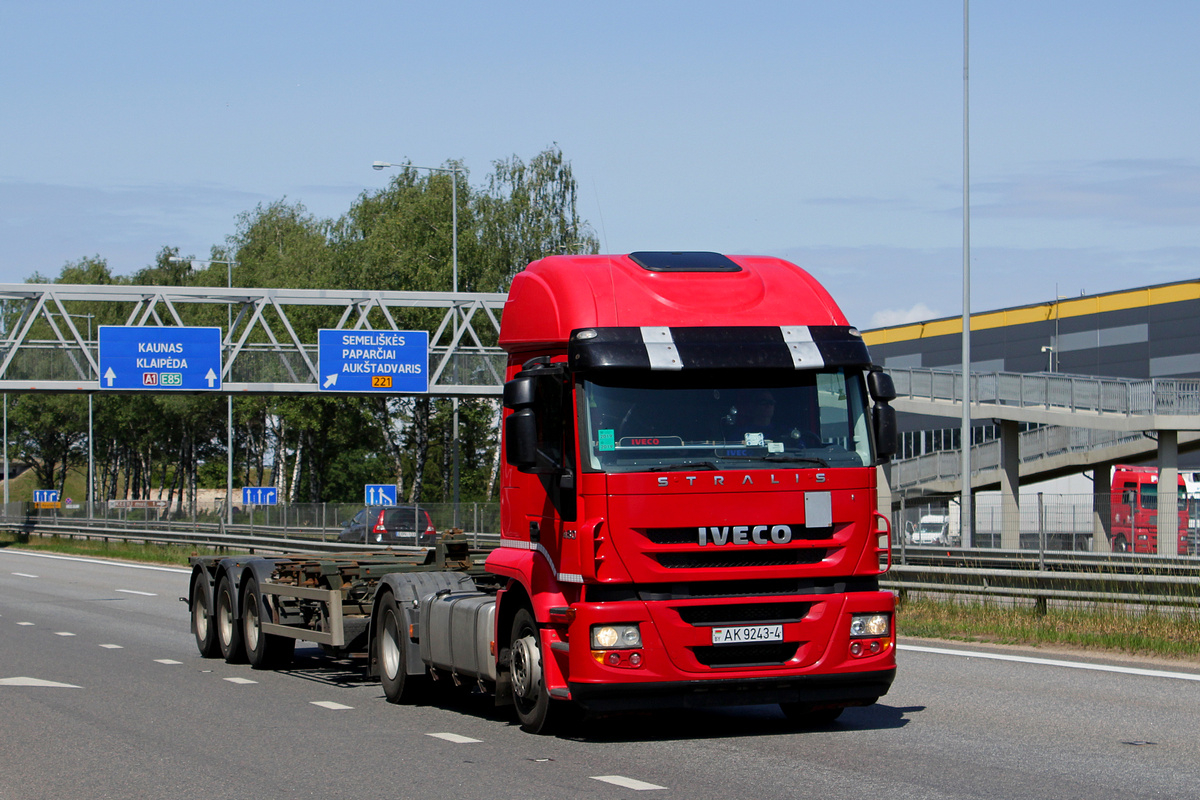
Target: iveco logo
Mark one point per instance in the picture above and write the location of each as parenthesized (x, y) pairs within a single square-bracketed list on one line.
[(746, 534)]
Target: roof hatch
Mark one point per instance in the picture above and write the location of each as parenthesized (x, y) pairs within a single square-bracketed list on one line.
[(655, 261)]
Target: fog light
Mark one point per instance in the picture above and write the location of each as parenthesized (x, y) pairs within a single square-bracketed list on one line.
[(856, 648), (614, 658), (635, 659), (866, 626), (876, 646)]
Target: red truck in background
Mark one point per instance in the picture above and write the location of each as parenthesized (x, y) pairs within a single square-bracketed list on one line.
[(1135, 511), (688, 512)]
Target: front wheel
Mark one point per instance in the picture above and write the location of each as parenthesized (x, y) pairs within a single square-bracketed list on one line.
[(530, 695), (391, 653), (263, 650), (1120, 545)]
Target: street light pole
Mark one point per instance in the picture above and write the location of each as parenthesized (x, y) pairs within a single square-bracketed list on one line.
[(195, 262), (454, 173)]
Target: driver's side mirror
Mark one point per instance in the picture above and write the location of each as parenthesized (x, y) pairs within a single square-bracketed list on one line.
[(883, 416)]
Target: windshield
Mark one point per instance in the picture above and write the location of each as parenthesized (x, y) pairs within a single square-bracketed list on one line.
[(729, 419)]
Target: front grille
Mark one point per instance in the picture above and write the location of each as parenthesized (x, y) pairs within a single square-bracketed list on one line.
[(739, 558), (692, 535), (746, 655), (659, 592), (743, 613)]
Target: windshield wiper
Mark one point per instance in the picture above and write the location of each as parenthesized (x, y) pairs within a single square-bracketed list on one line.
[(780, 458), (684, 466)]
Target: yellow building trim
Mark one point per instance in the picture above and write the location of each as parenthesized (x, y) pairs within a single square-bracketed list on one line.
[(1023, 315)]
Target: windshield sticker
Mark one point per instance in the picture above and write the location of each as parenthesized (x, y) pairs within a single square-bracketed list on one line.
[(607, 440)]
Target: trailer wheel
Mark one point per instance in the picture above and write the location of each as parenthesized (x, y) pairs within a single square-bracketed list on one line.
[(805, 715), (204, 627), (229, 636), (263, 650), (530, 695), (392, 645)]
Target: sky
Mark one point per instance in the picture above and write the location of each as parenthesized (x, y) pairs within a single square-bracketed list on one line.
[(829, 133)]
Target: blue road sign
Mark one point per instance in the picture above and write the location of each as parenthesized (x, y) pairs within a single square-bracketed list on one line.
[(380, 494), (49, 495), (260, 496), (373, 361), (160, 359)]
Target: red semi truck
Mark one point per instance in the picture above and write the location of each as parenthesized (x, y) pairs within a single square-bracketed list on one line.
[(688, 512), (1135, 511)]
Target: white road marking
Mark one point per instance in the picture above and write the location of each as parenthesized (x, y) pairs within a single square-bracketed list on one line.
[(24, 575), (36, 682), (454, 737), (10, 551), (240, 681), (134, 591), (332, 706), (1052, 662), (166, 661), (627, 783), (63, 633), (112, 647), (25, 623)]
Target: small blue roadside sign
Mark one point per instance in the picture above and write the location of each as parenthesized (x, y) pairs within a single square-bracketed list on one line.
[(260, 496), (395, 362), (46, 495), (380, 494), (160, 358)]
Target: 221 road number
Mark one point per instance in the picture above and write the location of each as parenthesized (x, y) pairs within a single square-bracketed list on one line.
[(381, 381)]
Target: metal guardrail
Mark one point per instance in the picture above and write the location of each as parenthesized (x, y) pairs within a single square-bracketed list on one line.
[(1041, 576), (1074, 393)]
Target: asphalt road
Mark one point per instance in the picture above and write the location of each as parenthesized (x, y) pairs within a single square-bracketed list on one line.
[(102, 695)]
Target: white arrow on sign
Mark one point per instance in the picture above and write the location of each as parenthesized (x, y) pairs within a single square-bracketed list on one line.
[(110, 376), (211, 377), (330, 380)]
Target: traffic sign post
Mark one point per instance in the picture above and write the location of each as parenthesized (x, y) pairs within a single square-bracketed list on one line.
[(394, 362), (160, 358), (260, 496), (380, 494)]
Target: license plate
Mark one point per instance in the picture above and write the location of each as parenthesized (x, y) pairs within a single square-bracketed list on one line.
[(747, 634)]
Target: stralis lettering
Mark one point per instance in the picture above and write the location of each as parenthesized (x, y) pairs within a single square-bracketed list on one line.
[(746, 534)]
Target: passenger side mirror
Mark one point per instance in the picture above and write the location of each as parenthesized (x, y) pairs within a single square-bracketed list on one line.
[(881, 386)]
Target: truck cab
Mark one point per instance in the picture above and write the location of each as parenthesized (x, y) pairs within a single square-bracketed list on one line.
[(688, 504)]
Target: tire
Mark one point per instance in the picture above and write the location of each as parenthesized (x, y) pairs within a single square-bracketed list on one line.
[(532, 700), (229, 634), (204, 627), (1119, 545), (804, 715), (263, 650), (391, 653)]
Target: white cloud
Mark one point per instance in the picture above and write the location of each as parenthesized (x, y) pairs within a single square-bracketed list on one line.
[(887, 317)]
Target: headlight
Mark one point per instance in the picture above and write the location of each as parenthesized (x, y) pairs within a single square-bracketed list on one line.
[(868, 626), (614, 637)]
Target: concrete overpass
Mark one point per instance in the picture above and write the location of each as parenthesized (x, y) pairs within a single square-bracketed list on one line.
[(1088, 423)]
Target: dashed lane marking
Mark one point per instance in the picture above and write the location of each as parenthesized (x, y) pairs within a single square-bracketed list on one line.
[(332, 706), (112, 647), (135, 591), (454, 737), (26, 624), (166, 661), (240, 681), (63, 633), (24, 575), (21, 681), (627, 783)]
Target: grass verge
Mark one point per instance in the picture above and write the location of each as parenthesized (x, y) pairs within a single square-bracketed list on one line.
[(1144, 632), (169, 555)]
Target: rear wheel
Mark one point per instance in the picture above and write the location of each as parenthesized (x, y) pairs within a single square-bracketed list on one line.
[(204, 627), (229, 635), (263, 650), (391, 652)]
